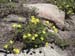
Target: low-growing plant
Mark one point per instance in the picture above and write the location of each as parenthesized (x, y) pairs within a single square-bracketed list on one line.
[(62, 43), (33, 34), (66, 5)]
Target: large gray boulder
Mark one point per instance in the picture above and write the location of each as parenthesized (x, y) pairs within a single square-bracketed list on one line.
[(49, 12)]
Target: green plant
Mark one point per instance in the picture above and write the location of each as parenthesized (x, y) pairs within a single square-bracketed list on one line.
[(8, 46), (33, 34), (66, 5), (62, 43)]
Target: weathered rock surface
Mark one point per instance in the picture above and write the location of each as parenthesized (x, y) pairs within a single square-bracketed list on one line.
[(14, 18), (69, 34), (70, 23), (45, 51), (49, 12), (69, 30), (5, 35), (6, 28)]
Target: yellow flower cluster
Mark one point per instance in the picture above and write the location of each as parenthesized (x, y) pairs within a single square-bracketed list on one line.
[(51, 26), (46, 44), (17, 25), (34, 36), (47, 22), (44, 32), (42, 38), (11, 41), (6, 46), (30, 35), (26, 35), (16, 50), (34, 20), (55, 29)]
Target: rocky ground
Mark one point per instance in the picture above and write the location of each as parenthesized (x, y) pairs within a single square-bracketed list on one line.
[(10, 14), (43, 51)]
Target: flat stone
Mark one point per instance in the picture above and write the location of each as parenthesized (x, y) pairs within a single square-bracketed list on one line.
[(14, 18)]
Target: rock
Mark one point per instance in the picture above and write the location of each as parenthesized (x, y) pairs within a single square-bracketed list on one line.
[(69, 34), (64, 34), (43, 51), (11, 55), (5, 35), (49, 12), (14, 18), (10, 8), (2, 54), (70, 23)]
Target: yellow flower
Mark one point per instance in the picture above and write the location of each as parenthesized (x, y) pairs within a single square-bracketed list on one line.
[(33, 38), (32, 17), (19, 25), (56, 30), (36, 35), (50, 24), (6, 46), (36, 46), (69, 12), (43, 31), (24, 36), (46, 44), (37, 20), (29, 35), (53, 27), (34, 20), (16, 50), (67, 6), (14, 25), (42, 38), (11, 42), (47, 22)]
